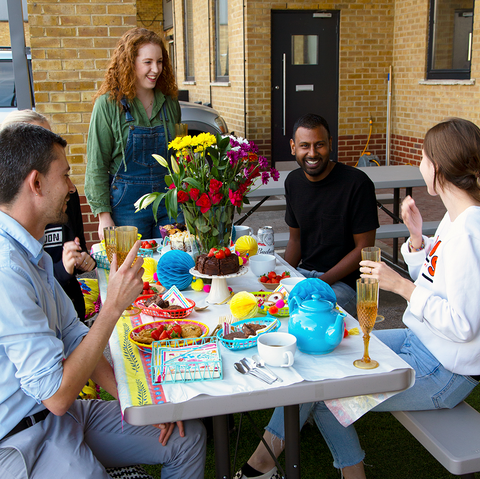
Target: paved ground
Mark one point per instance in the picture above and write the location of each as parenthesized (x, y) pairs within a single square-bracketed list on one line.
[(391, 305)]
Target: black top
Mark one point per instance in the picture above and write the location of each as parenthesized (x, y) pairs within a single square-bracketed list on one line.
[(55, 237), (329, 212)]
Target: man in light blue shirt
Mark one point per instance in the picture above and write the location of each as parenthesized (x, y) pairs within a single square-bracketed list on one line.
[(47, 355)]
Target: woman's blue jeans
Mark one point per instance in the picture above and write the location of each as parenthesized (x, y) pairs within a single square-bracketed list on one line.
[(435, 387)]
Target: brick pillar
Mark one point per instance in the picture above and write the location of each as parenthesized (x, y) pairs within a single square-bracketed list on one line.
[(71, 42)]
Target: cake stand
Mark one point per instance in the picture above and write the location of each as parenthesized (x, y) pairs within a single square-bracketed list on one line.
[(219, 291)]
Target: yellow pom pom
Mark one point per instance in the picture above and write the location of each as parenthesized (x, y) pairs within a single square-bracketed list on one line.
[(353, 331), (150, 267), (197, 284), (246, 245), (243, 305)]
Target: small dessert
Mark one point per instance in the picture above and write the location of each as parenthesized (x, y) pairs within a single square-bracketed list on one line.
[(157, 300), (274, 297), (248, 330), (218, 262), (182, 241), (168, 230)]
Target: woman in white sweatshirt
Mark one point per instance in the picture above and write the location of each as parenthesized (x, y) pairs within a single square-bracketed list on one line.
[(441, 340)]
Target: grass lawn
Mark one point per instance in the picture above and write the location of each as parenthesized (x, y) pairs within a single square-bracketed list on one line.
[(391, 452)]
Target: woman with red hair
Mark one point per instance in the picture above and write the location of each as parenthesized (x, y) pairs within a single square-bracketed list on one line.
[(134, 116)]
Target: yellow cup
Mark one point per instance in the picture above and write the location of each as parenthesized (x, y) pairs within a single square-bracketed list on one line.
[(126, 238)]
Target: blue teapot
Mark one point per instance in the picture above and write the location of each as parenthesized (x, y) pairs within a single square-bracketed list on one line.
[(316, 324)]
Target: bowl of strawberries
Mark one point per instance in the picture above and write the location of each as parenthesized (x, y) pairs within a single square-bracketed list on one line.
[(271, 280)]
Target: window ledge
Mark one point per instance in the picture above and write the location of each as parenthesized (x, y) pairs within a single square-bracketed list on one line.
[(189, 82), (447, 82), (220, 83)]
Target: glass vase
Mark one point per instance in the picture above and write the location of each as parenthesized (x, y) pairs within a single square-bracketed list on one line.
[(212, 229)]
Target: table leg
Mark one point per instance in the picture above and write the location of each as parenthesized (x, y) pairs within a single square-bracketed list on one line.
[(396, 211), (222, 447), (292, 441)]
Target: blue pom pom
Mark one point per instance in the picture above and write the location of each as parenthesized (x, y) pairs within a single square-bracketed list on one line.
[(173, 269)]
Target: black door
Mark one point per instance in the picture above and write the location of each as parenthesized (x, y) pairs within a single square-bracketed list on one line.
[(304, 73)]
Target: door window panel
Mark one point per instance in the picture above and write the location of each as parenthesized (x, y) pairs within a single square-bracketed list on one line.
[(304, 50)]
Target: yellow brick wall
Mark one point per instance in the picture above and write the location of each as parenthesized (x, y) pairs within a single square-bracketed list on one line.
[(71, 43), (417, 107), (366, 51)]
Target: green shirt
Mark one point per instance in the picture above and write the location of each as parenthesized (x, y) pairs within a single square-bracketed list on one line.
[(107, 139)]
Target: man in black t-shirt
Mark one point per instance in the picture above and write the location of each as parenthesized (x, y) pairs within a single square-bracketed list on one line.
[(331, 212)]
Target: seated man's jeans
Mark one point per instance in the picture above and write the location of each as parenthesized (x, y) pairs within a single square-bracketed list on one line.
[(346, 296), (435, 387)]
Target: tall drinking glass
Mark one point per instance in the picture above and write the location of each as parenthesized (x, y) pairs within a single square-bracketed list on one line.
[(110, 242), (367, 305), (181, 129), (373, 253), (126, 238)]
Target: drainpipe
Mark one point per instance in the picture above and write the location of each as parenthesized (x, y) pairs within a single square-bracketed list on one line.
[(210, 51), (389, 102), (244, 79), (19, 55)]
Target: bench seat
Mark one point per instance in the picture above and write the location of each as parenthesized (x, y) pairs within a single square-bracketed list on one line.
[(451, 436), (398, 230)]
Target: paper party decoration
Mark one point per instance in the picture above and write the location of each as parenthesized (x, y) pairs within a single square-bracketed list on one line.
[(243, 305), (246, 245), (173, 269)]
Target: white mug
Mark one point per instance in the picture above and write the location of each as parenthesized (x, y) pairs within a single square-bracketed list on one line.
[(277, 349), (242, 231)]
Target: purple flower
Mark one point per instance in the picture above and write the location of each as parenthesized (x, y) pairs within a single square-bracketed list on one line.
[(274, 174), (263, 162), (265, 177)]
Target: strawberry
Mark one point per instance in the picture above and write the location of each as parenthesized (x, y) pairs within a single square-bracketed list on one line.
[(146, 285), (220, 254), (227, 252), (277, 279), (156, 334), (178, 329), (263, 279), (163, 336), (272, 274), (212, 252), (148, 246), (153, 243)]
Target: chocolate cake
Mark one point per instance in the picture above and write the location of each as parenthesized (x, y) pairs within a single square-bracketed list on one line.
[(212, 266)]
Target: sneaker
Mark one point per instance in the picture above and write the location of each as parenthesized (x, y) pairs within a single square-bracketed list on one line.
[(272, 474)]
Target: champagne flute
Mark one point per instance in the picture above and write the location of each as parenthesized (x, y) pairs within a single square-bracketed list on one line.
[(110, 242), (367, 306), (373, 253)]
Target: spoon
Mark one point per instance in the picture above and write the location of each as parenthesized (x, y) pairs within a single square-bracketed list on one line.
[(241, 368), (249, 365), (260, 363), (200, 308)]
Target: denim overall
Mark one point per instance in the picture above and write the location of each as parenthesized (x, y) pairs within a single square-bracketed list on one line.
[(144, 175)]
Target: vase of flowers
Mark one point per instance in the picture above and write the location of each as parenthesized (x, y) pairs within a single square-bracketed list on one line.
[(209, 178)]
